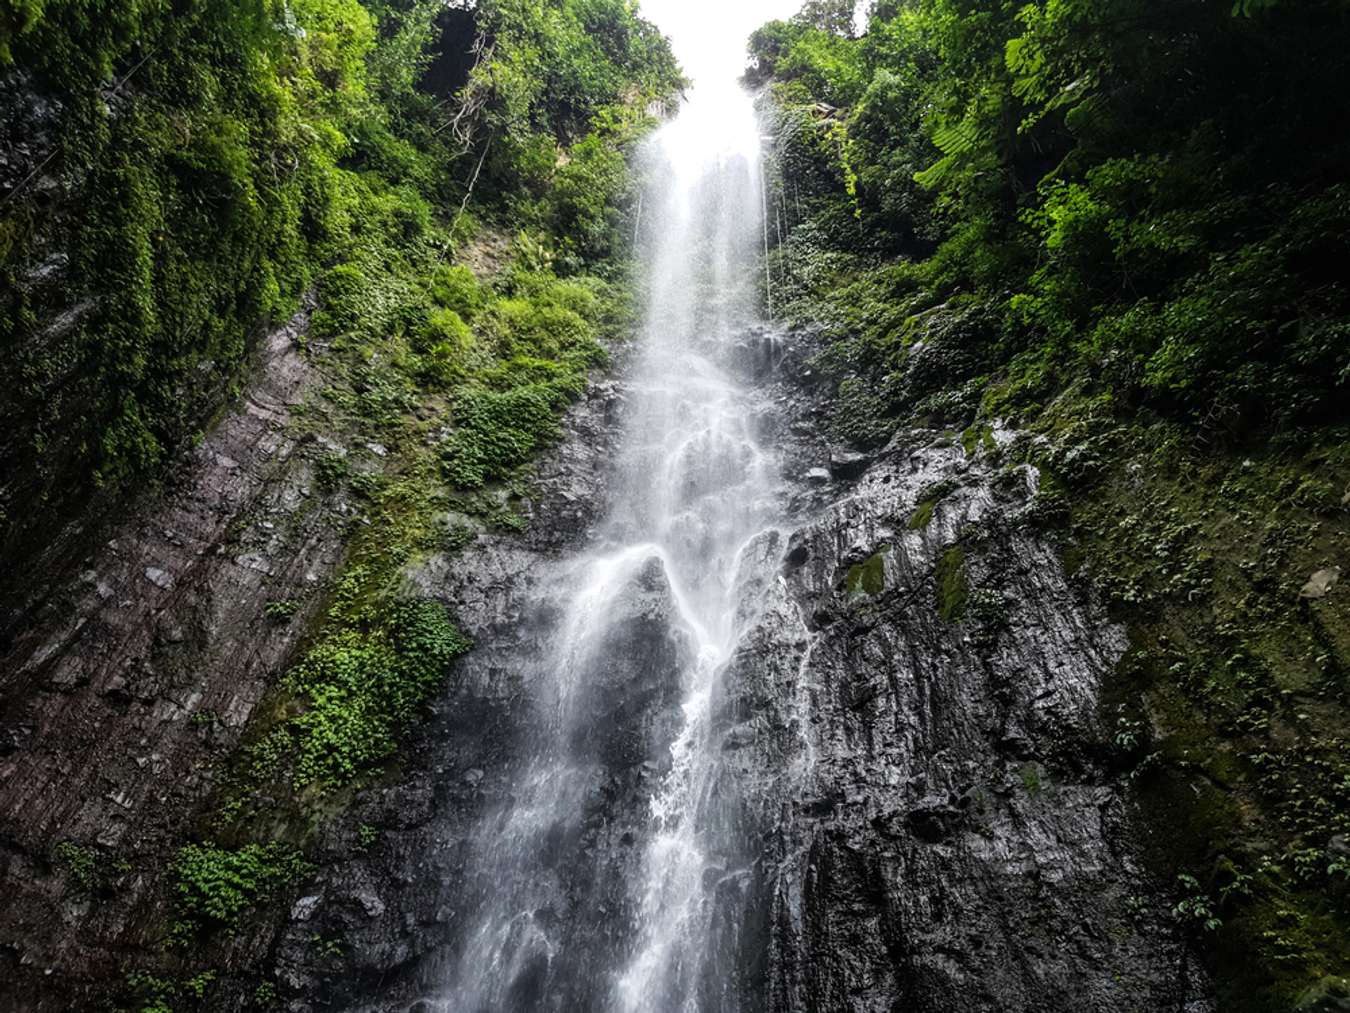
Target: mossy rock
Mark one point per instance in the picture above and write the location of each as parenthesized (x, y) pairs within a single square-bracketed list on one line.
[(868, 578), (952, 584), (922, 516)]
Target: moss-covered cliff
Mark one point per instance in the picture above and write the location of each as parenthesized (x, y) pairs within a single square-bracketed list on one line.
[(293, 295), (1114, 226), (178, 174)]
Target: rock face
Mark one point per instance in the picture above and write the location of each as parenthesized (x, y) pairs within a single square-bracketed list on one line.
[(912, 730), (927, 815), (123, 687), (951, 841)]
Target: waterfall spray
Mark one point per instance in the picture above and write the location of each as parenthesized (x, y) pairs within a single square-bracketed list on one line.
[(646, 621)]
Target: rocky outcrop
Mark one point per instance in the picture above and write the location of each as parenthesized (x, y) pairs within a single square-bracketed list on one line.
[(951, 839), (930, 806), (929, 813), (124, 686)]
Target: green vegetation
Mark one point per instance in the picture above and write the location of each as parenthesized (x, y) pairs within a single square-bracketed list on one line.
[(953, 584), (203, 168), (867, 578), (81, 864), (1072, 178), (928, 500), (148, 993), (213, 886), (448, 190), (362, 686), (1114, 226), (89, 870), (366, 836), (1031, 778), (281, 610), (326, 948), (922, 516)]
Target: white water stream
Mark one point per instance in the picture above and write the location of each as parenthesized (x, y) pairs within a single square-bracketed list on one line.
[(696, 480), (693, 525)]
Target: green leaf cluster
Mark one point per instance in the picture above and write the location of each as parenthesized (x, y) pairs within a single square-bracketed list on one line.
[(360, 688), (213, 886)]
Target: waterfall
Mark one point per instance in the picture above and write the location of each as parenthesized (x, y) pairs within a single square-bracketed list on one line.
[(696, 481), (608, 879)]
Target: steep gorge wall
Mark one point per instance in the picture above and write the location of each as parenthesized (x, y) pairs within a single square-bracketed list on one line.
[(209, 641), (126, 694), (915, 723), (1078, 221)]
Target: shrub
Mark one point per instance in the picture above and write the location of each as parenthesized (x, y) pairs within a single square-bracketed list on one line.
[(360, 687), (81, 863), (498, 431), (530, 327), (444, 342), (344, 294), (457, 289), (213, 886)]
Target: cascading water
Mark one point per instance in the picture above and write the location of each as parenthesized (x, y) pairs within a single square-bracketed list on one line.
[(626, 732), (696, 479), (719, 749)]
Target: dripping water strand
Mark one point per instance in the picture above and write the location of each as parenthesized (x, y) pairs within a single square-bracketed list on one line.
[(764, 219)]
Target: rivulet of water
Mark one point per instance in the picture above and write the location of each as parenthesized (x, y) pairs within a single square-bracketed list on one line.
[(600, 877)]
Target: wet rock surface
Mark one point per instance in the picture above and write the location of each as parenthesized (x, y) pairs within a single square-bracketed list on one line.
[(955, 842), (930, 800), (912, 725), (126, 683), (464, 767)]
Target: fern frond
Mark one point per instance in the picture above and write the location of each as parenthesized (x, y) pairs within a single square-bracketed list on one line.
[(957, 138), (932, 177)]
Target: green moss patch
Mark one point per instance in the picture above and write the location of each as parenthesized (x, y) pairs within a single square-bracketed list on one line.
[(952, 584), (867, 579)]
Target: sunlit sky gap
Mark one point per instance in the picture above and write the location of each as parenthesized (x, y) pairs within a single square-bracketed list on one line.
[(710, 35)]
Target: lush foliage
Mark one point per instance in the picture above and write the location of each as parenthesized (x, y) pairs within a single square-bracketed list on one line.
[(1119, 226), (201, 149), (151, 994), (190, 172), (362, 686), (1119, 175), (214, 886)]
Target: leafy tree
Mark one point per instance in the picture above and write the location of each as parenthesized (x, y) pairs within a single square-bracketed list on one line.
[(834, 16)]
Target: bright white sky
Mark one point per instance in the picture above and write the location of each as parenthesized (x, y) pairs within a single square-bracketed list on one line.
[(710, 35)]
